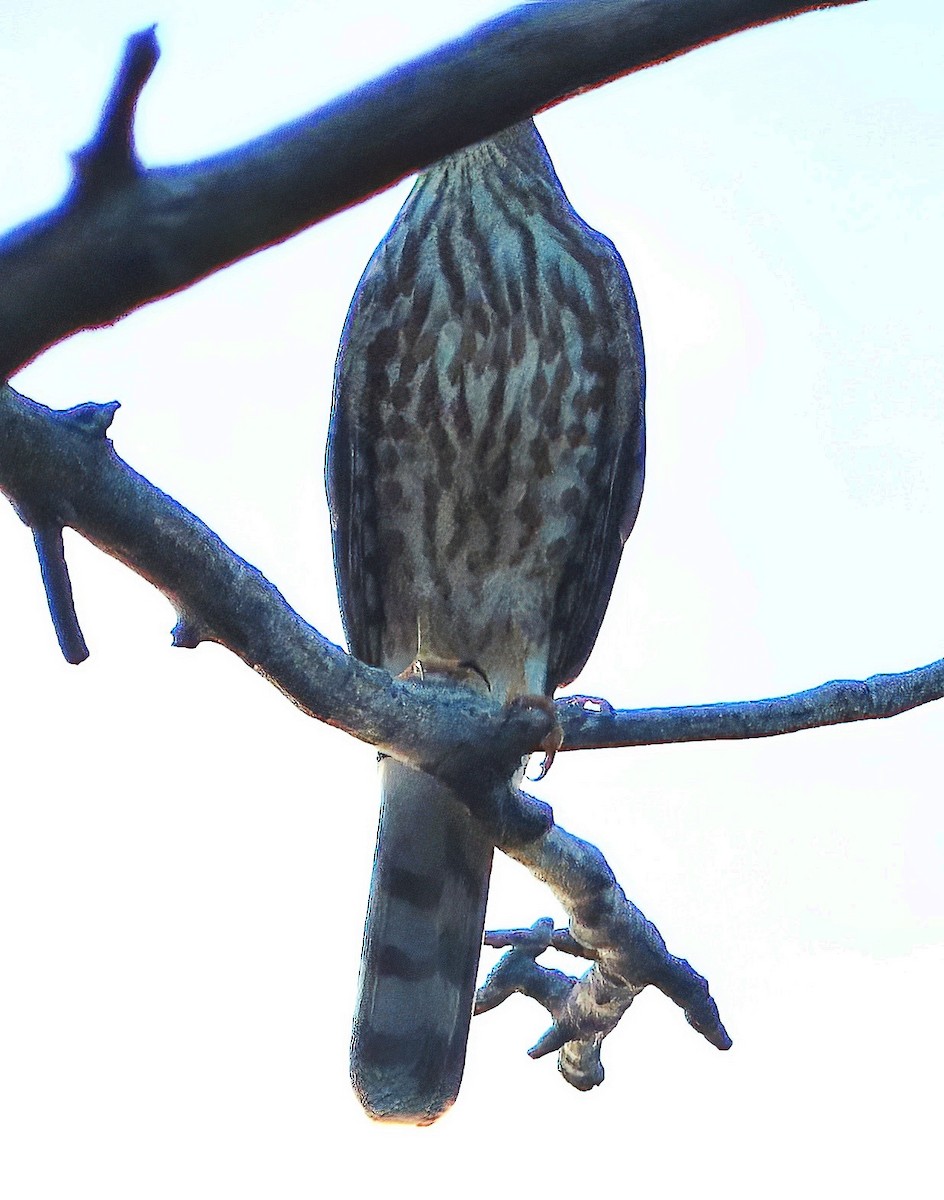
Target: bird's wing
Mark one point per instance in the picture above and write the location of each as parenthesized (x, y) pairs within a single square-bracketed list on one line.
[(612, 364), (350, 469)]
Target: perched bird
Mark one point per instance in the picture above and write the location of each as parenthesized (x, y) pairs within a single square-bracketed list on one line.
[(485, 466)]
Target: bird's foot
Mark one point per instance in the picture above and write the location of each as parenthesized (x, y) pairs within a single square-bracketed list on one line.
[(430, 669), (554, 738), (587, 703)]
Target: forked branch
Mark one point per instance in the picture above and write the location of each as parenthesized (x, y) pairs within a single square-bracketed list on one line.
[(64, 465), (628, 955)]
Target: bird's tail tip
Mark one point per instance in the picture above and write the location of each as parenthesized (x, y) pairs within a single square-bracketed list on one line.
[(398, 1099)]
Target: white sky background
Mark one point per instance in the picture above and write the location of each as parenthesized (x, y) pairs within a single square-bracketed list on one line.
[(184, 858)]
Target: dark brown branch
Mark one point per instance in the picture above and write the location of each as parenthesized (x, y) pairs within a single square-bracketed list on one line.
[(834, 703), (150, 233)]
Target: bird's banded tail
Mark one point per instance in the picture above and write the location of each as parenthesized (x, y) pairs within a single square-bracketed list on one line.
[(421, 950)]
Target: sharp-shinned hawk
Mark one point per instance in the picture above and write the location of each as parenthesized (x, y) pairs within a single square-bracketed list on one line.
[(485, 466)]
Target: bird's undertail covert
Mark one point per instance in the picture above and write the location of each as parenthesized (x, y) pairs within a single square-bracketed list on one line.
[(421, 950)]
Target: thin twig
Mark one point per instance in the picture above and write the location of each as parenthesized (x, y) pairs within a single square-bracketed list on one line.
[(835, 703), (109, 160), (58, 586)]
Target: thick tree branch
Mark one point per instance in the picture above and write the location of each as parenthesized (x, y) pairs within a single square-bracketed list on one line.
[(59, 468), (125, 236), (62, 465)]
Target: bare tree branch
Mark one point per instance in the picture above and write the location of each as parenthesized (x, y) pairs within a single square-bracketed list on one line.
[(124, 236), (110, 157), (61, 464), (58, 586), (833, 703), (59, 468), (66, 459), (628, 951), (518, 971), (64, 465)]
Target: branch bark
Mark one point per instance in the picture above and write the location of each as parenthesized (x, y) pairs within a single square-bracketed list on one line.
[(59, 468), (835, 703), (62, 465), (628, 951), (125, 236)]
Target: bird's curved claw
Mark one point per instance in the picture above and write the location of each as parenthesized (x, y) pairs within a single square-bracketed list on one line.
[(554, 738), (551, 744)]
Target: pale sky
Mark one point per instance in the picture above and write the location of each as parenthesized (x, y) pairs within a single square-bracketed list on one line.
[(184, 857)]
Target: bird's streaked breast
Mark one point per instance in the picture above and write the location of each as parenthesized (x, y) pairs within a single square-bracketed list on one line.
[(487, 392)]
